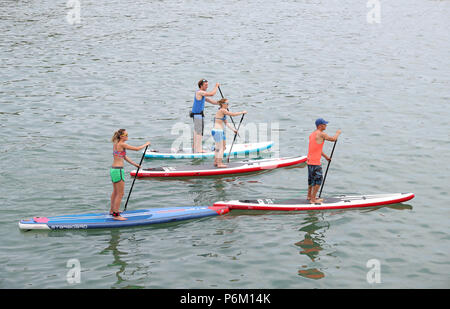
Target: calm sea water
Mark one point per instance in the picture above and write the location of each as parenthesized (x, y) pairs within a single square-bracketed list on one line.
[(65, 87)]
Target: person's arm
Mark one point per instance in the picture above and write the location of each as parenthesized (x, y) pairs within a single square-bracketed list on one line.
[(325, 156), (211, 101), (126, 146), (131, 161), (225, 112), (330, 138), (209, 93), (231, 128)]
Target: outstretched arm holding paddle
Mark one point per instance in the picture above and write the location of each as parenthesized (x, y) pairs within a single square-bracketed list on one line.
[(138, 166), (117, 175), (316, 142), (236, 134)]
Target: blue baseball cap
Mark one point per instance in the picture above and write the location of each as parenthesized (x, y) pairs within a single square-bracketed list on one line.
[(320, 121)]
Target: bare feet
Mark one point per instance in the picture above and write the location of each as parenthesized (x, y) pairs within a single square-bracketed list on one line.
[(316, 201), (221, 165), (200, 151), (117, 216)]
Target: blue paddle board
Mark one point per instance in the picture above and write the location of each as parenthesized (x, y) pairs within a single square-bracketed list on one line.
[(134, 218)]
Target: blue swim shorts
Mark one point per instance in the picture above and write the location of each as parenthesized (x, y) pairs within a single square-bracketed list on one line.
[(218, 135)]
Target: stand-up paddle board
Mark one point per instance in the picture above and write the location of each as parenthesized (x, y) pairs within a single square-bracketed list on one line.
[(134, 218), (246, 166), (338, 202), (186, 153)]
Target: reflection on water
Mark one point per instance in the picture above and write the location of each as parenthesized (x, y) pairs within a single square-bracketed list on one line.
[(312, 273), (310, 247), (207, 192), (400, 206), (117, 254), (315, 227)]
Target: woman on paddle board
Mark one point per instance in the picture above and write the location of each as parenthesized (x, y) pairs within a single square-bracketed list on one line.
[(117, 176), (218, 132)]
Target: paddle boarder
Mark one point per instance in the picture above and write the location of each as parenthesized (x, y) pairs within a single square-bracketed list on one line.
[(316, 142), (116, 172), (197, 113), (218, 132)]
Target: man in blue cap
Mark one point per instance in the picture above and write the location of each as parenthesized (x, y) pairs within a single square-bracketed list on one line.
[(316, 141)]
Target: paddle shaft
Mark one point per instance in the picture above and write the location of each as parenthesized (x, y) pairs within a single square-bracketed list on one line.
[(140, 163), (227, 109), (235, 134), (220, 92), (326, 172)]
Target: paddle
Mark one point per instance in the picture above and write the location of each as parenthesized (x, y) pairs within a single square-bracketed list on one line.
[(235, 134), (325, 177), (140, 163), (220, 92)]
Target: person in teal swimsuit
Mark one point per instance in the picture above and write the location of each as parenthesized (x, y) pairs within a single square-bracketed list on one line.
[(116, 172), (218, 131)]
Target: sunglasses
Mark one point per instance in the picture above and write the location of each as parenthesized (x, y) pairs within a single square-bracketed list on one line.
[(124, 135)]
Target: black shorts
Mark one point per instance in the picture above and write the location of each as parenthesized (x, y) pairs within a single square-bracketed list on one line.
[(314, 175)]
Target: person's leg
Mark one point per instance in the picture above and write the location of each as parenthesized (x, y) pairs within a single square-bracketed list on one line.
[(314, 191), (197, 142), (198, 134), (217, 153), (115, 177), (317, 182), (310, 182), (119, 188), (113, 199), (195, 139), (221, 150), (201, 136), (216, 146)]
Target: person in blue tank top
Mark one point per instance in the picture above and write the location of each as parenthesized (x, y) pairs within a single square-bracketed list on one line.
[(197, 113)]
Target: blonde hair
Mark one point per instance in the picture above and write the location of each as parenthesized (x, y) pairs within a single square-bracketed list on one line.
[(117, 135)]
